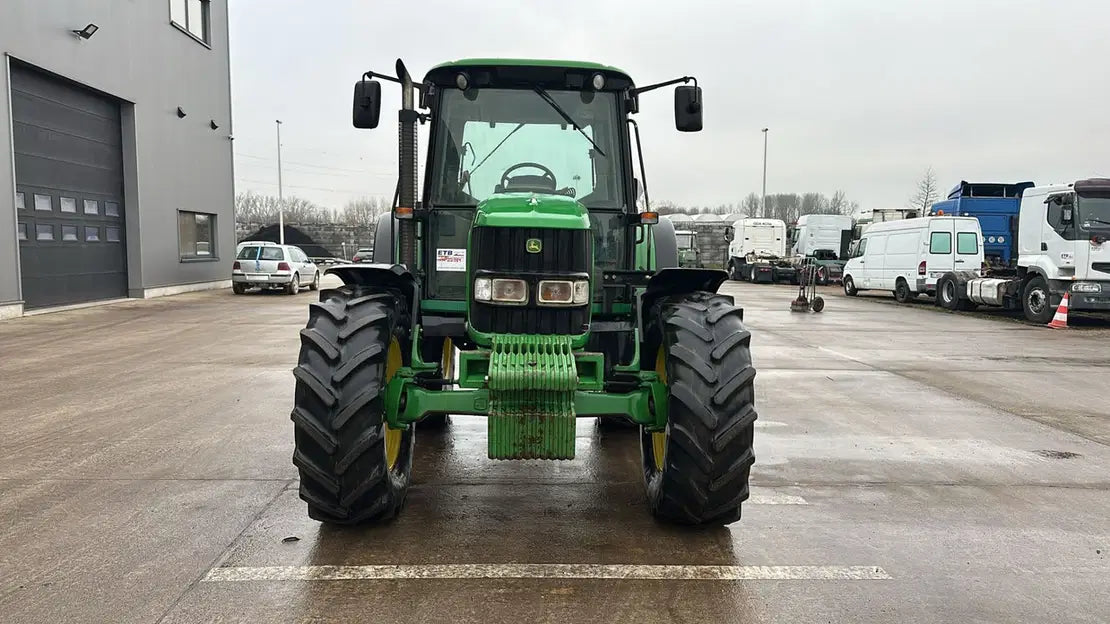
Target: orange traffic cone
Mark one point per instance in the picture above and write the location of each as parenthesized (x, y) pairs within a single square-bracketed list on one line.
[(1060, 320)]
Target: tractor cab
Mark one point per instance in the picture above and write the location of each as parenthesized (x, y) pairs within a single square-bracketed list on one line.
[(527, 282)]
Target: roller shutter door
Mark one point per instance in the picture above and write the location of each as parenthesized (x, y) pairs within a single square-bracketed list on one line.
[(69, 191)]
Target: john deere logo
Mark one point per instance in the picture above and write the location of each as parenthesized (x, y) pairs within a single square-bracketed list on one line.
[(533, 245)]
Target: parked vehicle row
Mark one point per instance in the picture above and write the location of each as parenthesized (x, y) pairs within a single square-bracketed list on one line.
[(1014, 246)]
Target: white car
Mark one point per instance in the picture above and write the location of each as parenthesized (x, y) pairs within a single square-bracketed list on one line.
[(269, 265)]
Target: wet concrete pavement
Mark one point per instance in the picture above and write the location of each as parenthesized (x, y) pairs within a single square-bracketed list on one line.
[(963, 461)]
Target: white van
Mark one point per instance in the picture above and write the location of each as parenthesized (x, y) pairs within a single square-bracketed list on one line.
[(908, 256)]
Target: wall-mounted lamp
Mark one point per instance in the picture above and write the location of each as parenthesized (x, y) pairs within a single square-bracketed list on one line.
[(212, 124), (87, 32), (180, 113)]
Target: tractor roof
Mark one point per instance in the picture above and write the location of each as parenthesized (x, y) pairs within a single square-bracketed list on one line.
[(540, 67)]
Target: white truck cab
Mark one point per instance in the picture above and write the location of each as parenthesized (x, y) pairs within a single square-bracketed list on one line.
[(1064, 246), (821, 231), (909, 256), (757, 251)]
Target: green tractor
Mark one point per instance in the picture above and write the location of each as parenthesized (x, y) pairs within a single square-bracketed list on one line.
[(526, 287)]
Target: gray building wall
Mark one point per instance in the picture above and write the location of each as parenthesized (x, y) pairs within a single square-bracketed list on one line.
[(170, 164)]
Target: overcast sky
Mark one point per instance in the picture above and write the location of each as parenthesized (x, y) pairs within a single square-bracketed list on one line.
[(860, 95)]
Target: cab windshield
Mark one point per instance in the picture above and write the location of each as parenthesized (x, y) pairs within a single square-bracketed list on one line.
[(1093, 212), (685, 241), (504, 140)]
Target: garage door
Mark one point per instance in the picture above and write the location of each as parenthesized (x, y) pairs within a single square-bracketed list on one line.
[(69, 191)]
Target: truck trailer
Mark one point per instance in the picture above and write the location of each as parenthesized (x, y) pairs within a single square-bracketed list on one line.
[(1062, 248)]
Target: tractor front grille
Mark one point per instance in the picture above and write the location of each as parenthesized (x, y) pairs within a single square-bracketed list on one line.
[(503, 252)]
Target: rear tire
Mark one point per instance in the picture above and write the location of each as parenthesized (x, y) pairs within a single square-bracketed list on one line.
[(294, 285), (1036, 301), (822, 276), (902, 293), (315, 285), (701, 477), (238, 288), (733, 272), (353, 467), (850, 286)]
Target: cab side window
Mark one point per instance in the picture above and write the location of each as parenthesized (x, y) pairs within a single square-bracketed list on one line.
[(1055, 215), (862, 247), (940, 243)]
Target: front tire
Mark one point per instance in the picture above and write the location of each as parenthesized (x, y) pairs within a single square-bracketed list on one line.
[(1036, 301), (353, 467), (850, 289), (696, 471), (947, 297)]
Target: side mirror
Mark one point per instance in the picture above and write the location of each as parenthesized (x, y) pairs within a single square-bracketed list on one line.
[(687, 109), (367, 103), (1067, 216), (728, 232)]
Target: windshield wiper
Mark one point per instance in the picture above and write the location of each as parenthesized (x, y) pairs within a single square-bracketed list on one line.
[(495, 148), (1089, 219), (562, 113)]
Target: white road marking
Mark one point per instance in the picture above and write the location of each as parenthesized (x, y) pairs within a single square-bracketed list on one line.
[(547, 571), (761, 497), (769, 424)]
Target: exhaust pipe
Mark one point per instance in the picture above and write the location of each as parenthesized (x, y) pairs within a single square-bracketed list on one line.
[(407, 173)]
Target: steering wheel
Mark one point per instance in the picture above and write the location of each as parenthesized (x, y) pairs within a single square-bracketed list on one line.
[(536, 183)]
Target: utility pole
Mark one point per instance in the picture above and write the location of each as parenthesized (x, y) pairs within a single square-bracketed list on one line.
[(281, 195), (763, 203)]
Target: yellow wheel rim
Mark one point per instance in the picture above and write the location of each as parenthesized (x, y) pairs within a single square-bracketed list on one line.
[(659, 438), (393, 436), (447, 361)]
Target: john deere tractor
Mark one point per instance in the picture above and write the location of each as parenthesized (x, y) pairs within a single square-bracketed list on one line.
[(527, 286)]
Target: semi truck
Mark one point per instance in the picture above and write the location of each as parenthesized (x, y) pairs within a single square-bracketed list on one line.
[(1062, 234), (822, 240), (757, 251), (996, 206)]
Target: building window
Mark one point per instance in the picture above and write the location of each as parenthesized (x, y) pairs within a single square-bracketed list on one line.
[(111, 234), (42, 202), (44, 232), (69, 232), (20, 201), (21, 232), (92, 206), (111, 209), (196, 233), (192, 16), (92, 234), (68, 204)]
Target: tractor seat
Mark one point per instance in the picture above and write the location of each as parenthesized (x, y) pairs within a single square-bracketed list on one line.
[(525, 183)]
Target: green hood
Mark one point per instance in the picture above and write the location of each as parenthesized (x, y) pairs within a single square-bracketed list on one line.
[(532, 210)]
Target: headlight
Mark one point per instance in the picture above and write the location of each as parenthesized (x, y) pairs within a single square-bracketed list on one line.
[(990, 239), (510, 290), (1001, 239), (483, 289), (581, 291), (555, 292), (1086, 287)]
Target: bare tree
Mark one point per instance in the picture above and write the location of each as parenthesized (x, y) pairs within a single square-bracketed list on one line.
[(927, 192), (363, 211)]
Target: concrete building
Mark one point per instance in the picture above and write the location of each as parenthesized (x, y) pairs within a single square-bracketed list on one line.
[(116, 172)]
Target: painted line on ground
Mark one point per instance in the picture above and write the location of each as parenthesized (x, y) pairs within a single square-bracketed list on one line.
[(769, 424), (547, 571)]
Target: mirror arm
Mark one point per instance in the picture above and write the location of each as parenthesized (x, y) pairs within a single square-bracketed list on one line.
[(660, 85), (420, 86)]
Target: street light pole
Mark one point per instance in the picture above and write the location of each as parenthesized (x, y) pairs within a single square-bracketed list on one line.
[(281, 195), (763, 203)]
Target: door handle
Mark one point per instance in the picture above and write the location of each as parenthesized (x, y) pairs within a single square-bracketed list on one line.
[(959, 262), (1044, 246)]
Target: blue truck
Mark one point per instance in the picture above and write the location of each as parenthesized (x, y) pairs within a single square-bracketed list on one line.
[(996, 206)]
